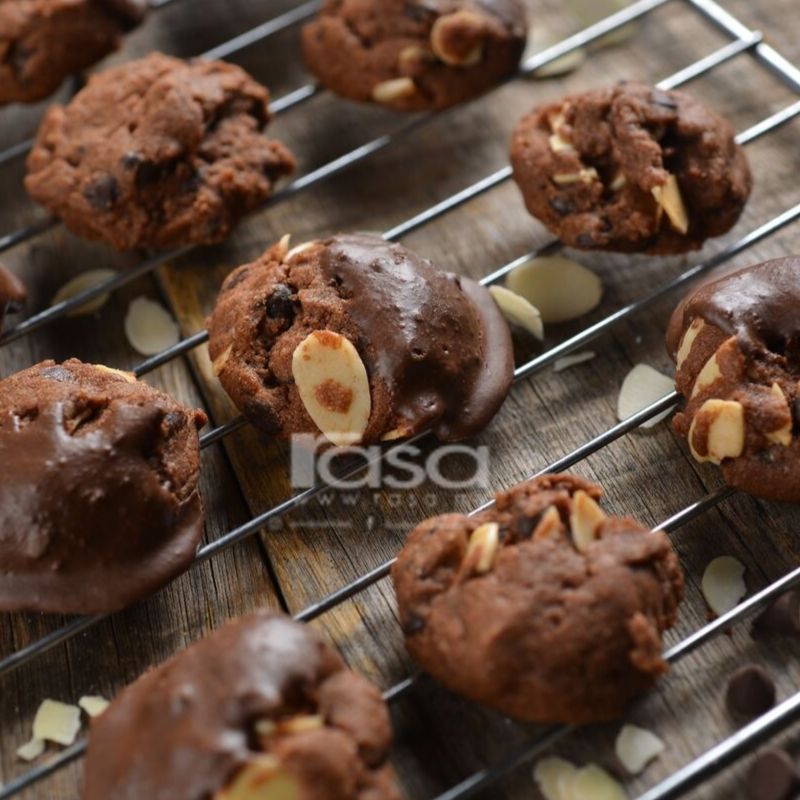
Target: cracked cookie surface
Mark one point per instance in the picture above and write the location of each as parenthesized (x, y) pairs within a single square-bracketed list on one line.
[(542, 607), (260, 708), (158, 153), (736, 343), (44, 41), (99, 504), (631, 168), (415, 56)]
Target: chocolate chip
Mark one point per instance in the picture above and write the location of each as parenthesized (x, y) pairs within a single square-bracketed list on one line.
[(413, 624), (662, 99), (280, 304), (149, 173), (772, 776), (102, 193), (561, 206), (130, 160), (783, 616), (751, 692)]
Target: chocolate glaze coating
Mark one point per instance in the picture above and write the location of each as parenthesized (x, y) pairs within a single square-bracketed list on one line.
[(436, 348), (547, 633), (752, 328), (13, 294), (99, 503), (185, 729)]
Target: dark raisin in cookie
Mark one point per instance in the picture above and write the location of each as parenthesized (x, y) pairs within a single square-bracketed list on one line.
[(631, 169), (44, 41), (360, 339), (99, 504), (542, 607), (413, 56), (736, 341), (158, 153), (261, 708)]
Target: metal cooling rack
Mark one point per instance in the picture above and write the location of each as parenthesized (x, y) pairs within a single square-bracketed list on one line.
[(743, 40)]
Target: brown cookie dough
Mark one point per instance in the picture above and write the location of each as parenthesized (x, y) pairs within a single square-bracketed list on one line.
[(542, 607), (736, 342), (435, 349), (158, 153), (44, 41), (13, 294), (631, 168), (414, 56), (263, 702), (99, 504)]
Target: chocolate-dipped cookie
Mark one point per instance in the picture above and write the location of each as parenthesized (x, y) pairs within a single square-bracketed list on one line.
[(261, 708), (541, 607), (158, 153), (736, 343), (13, 294), (44, 41), (360, 339), (631, 168), (414, 56), (99, 504)]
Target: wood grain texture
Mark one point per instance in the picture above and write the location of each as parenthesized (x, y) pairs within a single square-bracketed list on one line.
[(299, 559)]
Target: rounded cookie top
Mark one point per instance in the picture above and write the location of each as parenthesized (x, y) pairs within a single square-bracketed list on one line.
[(736, 342), (402, 344), (542, 607), (413, 56), (158, 153), (631, 168), (261, 702), (44, 41), (99, 503)]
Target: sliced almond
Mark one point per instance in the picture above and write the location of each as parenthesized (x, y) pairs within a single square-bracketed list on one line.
[(586, 175), (93, 705), (688, 340), (722, 423), (642, 387), (400, 432), (412, 56), (549, 525), (588, 12), (712, 369), (518, 311), (218, 364), (333, 385), (300, 724), (560, 288), (594, 783), (443, 43), (618, 182), (481, 550), (572, 360), (782, 436), (669, 198), (120, 373), (299, 250), (540, 39), (149, 327), (553, 775), (82, 283), (31, 750), (723, 584), (584, 520), (636, 748), (394, 90), (559, 145), (57, 722), (280, 250), (261, 779)]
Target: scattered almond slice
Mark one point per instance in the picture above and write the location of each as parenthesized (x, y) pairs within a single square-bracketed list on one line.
[(518, 311), (552, 775), (636, 748), (149, 327), (669, 198), (642, 386), (723, 584), (482, 547), (31, 750), (586, 175), (57, 722), (539, 39), (333, 386), (93, 705), (561, 289), (584, 520), (572, 360), (594, 783), (81, 283)]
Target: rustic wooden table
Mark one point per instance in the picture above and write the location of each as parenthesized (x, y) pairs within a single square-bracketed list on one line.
[(299, 559)]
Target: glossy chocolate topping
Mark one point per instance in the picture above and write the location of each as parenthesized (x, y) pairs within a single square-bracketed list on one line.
[(12, 293), (183, 730), (760, 305), (438, 340), (98, 489)]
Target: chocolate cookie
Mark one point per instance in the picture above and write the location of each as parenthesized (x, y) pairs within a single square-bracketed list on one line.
[(44, 41), (736, 342), (631, 169), (99, 504), (360, 339), (158, 153), (414, 56), (542, 607), (260, 708), (13, 294)]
